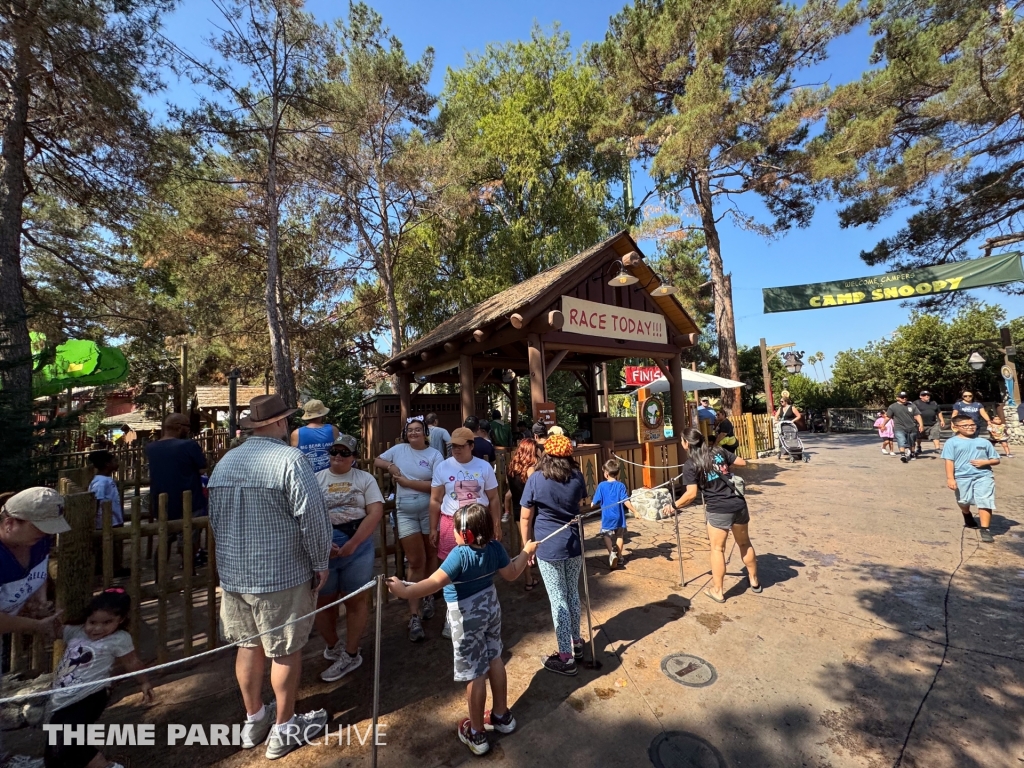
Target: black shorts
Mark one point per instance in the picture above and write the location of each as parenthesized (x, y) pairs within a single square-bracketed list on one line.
[(724, 520)]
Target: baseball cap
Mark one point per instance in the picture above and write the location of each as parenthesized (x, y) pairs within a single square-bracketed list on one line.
[(925, 392), (554, 429), (902, 394), (346, 441), (540, 429), (43, 507), (462, 436)]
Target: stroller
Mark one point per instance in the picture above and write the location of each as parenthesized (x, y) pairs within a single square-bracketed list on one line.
[(790, 444)]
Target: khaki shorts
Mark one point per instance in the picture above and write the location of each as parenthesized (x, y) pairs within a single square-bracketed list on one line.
[(243, 616)]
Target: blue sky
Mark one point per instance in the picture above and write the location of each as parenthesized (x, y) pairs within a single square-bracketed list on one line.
[(822, 252)]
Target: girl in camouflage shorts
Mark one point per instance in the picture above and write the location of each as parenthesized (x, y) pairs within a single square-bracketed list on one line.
[(474, 614)]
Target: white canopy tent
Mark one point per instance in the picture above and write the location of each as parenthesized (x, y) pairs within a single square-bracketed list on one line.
[(694, 381)]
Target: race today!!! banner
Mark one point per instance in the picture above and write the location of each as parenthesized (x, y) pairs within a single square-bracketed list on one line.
[(927, 281)]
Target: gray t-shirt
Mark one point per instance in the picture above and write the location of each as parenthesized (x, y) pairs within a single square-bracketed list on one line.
[(903, 415), (415, 465), (440, 441), (87, 661)]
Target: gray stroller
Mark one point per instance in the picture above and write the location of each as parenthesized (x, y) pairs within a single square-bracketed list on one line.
[(790, 444)]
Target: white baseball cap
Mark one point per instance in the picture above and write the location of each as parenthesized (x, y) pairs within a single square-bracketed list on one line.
[(43, 507)]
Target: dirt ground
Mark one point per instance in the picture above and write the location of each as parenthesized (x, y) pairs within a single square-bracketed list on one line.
[(870, 583)]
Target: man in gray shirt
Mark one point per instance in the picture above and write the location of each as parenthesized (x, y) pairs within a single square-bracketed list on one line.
[(906, 422), (440, 438), (273, 538)]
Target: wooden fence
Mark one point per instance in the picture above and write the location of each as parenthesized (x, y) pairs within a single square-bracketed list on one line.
[(755, 433)]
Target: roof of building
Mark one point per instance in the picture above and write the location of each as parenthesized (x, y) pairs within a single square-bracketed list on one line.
[(546, 287), (138, 420), (216, 396)]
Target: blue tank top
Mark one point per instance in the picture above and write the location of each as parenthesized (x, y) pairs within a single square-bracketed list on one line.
[(315, 442)]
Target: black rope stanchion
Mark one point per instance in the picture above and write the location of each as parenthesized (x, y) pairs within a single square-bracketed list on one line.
[(381, 591), (679, 541), (595, 663)]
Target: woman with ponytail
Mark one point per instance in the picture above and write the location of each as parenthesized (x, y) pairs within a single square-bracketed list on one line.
[(707, 471)]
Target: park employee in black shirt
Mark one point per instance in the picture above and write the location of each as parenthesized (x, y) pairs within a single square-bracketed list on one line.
[(907, 423), (931, 418)]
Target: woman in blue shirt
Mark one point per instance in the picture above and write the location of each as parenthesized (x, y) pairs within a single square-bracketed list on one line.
[(966, 406), (551, 499)]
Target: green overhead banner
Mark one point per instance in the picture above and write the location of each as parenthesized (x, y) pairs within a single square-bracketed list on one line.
[(927, 281)]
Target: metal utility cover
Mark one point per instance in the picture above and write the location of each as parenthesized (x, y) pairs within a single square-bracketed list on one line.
[(678, 749), (688, 670)]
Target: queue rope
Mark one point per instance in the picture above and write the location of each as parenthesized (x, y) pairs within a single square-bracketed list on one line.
[(576, 520), (187, 659)]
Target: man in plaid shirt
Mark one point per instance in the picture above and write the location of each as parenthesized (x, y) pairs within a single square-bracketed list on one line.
[(273, 537)]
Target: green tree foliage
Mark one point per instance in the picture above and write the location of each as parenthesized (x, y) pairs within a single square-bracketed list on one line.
[(372, 156), (532, 190), (272, 56), (73, 137), (928, 352), (708, 92), (334, 376), (935, 124)]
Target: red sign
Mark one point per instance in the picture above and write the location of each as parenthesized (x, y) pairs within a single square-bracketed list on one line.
[(641, 376)]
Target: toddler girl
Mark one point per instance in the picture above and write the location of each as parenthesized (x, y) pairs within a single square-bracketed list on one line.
[(884, 426), (91, 651), (997, 434), (474, 614)]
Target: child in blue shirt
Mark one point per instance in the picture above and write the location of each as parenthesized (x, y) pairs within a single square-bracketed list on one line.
[(104, 488), (968, 473), (613, 499), (474, 615)]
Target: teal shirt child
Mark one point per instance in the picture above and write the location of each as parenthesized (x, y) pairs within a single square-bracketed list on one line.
[(962, 450)]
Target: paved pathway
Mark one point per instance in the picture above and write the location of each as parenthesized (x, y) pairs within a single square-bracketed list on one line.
[(828, 668)]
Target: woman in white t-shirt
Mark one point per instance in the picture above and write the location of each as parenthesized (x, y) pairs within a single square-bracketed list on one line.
[(355, 505), (458, 482), (411, 464)]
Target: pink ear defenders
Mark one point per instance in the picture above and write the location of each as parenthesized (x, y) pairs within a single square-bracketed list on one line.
[(467, 534)]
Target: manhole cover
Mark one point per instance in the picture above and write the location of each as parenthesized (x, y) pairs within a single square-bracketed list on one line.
[(678, 749), (688, 670)]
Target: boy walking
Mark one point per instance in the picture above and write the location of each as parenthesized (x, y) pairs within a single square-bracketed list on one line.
[(613, 498), (968, 473)]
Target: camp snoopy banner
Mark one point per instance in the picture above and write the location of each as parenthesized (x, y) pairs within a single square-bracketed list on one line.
[(927, 281)]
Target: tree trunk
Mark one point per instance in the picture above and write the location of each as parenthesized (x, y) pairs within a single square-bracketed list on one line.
[(725, 320), (280, 348), (15, 351)]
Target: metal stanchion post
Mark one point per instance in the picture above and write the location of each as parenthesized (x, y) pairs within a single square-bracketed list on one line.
[(381, 588), (679, 542), (594, 663)]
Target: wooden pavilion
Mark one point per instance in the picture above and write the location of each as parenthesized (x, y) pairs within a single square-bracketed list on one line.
[(566, 318)]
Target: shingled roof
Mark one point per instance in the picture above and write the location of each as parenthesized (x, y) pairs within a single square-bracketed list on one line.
[(544, 288)]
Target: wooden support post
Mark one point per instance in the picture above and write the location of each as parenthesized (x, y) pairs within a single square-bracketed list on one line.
[(211, 589), (513, 405), (538, 379), (163, 574), (552, 365), (404, 397), (766, 372), (135, 563), (593, 406), (677, 398), (107, 544), (76, 566), (186, 569), (466, 389)]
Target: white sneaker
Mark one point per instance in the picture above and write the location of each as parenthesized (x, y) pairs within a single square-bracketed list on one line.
[(613, 560), (505, 517), (333, 652), (255, 733), (299, 732), (885, 452), (24, 761), (446, 630), (341, 667)]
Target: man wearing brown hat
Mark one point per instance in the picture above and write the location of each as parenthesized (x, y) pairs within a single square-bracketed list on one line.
[(315, 438), (273, 542)]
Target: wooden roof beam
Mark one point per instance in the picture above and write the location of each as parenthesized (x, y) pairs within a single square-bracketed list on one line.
[(552, 321)]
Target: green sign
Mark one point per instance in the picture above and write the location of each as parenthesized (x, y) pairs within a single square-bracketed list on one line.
[(927, 281)]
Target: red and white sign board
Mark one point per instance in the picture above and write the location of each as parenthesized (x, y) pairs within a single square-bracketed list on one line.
[(610, 322), (642, 375)]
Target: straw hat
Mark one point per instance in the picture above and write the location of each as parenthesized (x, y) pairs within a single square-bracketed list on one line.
[(314, 409)]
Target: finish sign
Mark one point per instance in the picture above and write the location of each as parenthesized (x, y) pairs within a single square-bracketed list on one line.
[(691, 671)]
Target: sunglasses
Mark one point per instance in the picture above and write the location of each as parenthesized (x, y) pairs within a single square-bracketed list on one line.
[(342, 452)]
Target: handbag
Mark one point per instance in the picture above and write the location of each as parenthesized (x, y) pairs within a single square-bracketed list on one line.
[(736, 484)]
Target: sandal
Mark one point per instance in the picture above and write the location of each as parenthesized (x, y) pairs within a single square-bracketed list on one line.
[(757, 589), (530, 586), (713, 597)]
